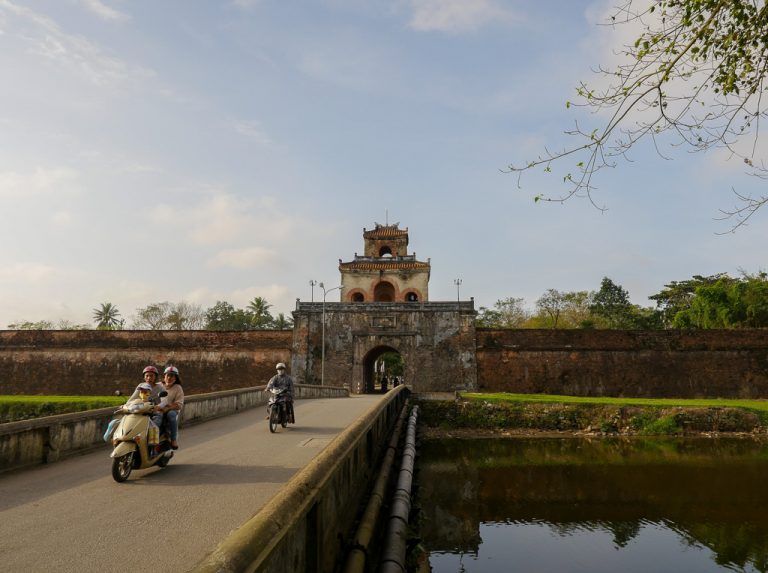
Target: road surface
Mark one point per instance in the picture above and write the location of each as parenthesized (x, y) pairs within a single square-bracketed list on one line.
[(72, 516)]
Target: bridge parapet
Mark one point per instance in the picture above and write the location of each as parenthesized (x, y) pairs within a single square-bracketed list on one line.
[(299, 530), (50, 438)]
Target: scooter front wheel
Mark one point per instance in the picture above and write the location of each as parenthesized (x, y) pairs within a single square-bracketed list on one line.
[(273, 418), (122, 466)]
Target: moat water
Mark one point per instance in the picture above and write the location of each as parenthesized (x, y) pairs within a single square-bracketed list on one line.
[(595, 505)]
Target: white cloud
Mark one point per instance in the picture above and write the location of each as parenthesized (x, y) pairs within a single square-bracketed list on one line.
[(253, 130), (40, 181), (26, 273), (458, 16), (220, 217), (45, 38), (62, 219), (247, 258), (103, 11)]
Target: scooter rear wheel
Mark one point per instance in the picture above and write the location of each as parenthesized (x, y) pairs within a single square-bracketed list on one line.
[(273, 419), (122, 466)]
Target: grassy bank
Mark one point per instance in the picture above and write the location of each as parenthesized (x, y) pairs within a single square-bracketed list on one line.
[(642, 416), (14, 408)]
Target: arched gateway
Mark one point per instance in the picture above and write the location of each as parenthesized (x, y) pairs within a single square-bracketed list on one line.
[(385, 307)]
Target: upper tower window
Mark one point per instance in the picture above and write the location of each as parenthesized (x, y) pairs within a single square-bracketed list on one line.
[(385, 251)]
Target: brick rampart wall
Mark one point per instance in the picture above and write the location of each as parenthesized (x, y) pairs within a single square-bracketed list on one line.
[(94, 362), (707, 363)]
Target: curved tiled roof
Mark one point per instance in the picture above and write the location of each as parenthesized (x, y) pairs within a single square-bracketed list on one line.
[(387, 231), (384, 266)]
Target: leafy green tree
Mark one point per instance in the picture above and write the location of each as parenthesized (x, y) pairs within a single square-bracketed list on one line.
[(107, 317), (677, 296), (224, 316), (727, 303), (695, 72), (551, 304), (506, 313), (260, 316), (282, 322), (611, 304)]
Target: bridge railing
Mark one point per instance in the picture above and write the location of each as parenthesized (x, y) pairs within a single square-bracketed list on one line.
[(50, 438), (300, 528)]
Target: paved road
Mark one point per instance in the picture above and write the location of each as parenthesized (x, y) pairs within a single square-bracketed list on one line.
[(72, 516)]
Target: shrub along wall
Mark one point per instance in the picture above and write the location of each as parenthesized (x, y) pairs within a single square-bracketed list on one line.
[(96, 362), (666, 363)]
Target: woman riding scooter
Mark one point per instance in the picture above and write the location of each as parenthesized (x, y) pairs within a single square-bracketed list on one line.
[(171, 404)]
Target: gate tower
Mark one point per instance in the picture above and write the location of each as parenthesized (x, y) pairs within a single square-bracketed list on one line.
[(384, 308), (386, 272)]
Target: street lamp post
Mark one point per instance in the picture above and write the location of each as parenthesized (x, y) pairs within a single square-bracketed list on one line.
[(312, 284), (457, 282), (322, 350)]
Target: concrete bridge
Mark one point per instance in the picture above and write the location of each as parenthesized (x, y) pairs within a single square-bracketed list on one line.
[(71, 515)]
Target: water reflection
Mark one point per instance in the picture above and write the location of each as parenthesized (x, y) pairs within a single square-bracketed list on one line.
[(577, 504)]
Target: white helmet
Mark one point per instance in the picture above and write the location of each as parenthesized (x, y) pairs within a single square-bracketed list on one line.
[(280, 366)]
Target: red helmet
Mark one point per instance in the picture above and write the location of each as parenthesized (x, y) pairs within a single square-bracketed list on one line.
[(151, 369)]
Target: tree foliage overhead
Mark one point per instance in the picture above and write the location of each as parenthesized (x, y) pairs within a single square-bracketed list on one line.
[(697, 71)]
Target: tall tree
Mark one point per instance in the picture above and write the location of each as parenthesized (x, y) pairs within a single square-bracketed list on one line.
[(696, 71), (224, 316), (611, 303), (677, 296), (507, 312), (107, 317), (259, 311), (282, 322), (551, 304)]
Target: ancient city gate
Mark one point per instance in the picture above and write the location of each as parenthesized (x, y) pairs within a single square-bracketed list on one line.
[(435, 339)]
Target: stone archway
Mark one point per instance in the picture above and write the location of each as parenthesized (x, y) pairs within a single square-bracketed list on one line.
[(372, 378), (384, 292)]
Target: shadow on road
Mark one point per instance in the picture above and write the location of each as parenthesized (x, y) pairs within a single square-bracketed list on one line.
[(180, 475)]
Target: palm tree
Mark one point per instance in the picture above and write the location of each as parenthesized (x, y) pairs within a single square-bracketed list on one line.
[(282, 322), (258, 308), (106, 317)]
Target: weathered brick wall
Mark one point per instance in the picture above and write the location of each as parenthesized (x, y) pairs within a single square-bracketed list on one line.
[(708, 363), (95, 362)]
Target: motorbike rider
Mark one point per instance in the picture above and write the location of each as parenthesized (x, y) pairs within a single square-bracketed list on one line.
[(170, 405), (151, 377), (278, 382)]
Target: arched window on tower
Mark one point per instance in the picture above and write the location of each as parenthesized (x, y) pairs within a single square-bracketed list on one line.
[(384, 292), (385, 251), (412, 297), (358, 297)]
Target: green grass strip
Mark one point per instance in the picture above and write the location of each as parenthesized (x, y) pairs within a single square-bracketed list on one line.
[(759, 405), (14, 408)]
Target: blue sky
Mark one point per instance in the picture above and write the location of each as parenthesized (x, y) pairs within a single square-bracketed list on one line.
[(221, 150)]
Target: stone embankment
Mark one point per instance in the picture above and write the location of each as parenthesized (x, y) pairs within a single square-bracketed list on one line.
[(449, 417)]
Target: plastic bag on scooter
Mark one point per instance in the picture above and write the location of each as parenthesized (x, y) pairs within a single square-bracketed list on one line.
[(110, 429)]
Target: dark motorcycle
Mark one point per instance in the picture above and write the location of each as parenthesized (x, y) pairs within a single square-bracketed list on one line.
[(279, 409)]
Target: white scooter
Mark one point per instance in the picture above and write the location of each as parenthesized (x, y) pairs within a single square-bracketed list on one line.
[(131, 438)]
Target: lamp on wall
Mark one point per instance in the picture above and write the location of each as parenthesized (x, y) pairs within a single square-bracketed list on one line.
[(322, 352), (457, 282)]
